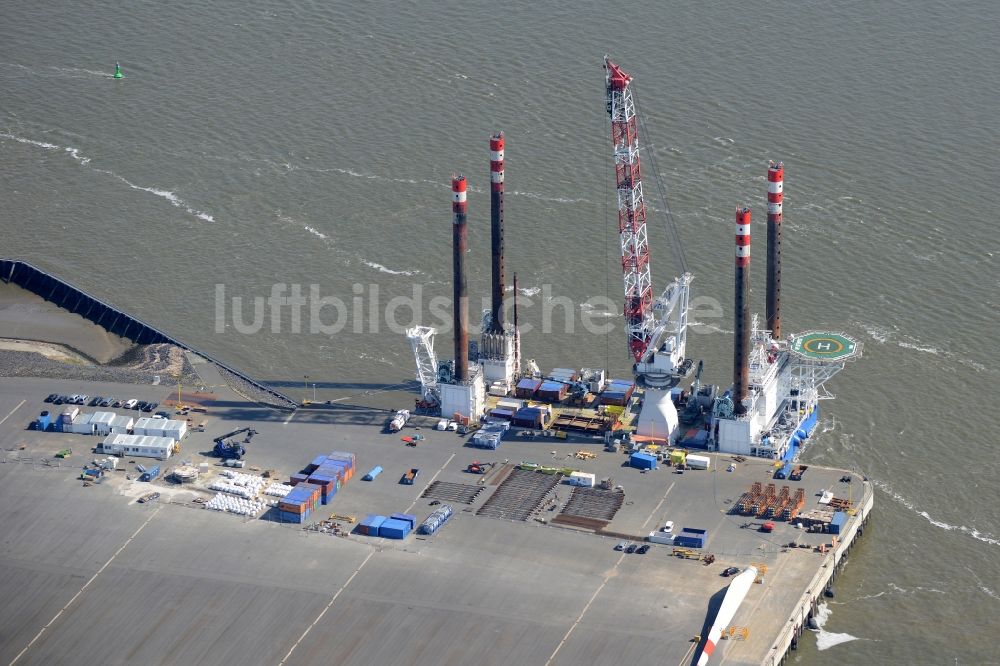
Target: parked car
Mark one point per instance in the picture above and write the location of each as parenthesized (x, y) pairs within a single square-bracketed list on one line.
[(107, 402), (52, 397), (631, 548), (130, 403), (643, 549), (442, 425), (116, 403), (139, 405), (82, 399), (452, 426), (58, 401), (622, 545), (668, 527), (95, 401), (162, 415), (730, 571), (150, 406)]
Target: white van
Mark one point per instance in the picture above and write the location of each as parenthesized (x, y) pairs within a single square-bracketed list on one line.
[(131, 404), (668, 527)]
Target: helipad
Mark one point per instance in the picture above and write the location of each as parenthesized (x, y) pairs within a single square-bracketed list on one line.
[(824, 346)]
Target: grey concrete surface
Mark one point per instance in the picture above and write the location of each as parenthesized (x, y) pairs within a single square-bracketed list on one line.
[(176, 584)]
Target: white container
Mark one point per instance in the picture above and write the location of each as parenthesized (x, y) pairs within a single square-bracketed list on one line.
[(583, 479), (698, 462), (661, 537)]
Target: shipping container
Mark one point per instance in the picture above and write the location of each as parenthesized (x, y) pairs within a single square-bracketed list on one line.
[(643, 461), (44, 421), (838, 523), (698, 462), (582, 479), (526, 388), (504, 414), (346, 456), (314, 465), (394, 529), (783, 472), (661, 537), (691, 537), (370, 524), (372, 473), (406, 518)]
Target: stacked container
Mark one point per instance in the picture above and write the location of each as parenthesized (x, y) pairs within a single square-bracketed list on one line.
[(298, 504)]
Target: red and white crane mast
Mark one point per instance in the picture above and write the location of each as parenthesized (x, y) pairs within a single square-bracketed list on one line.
[(656, 328), (631, 210)]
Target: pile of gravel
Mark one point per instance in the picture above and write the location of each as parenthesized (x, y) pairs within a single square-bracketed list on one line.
[(138, 365)]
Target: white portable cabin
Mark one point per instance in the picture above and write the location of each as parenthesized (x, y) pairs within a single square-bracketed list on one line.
[(173, 429), (122, 424), (101, 422), (160, 428), (142, 425), (145, 446), (582, 479), (698, 462), (80, 425)]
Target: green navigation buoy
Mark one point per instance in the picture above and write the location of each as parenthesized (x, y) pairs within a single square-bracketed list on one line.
[(118, 71)]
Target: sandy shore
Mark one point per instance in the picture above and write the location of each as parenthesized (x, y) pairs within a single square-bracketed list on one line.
[(50, 350), (27, 317)]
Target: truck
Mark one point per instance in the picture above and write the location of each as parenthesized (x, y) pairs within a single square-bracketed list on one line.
[(410, 477)]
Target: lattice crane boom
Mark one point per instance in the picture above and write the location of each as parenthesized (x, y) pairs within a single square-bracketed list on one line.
[(631, 209), (422, 340)]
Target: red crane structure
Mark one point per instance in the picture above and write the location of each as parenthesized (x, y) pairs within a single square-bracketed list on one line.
[(656, 328)]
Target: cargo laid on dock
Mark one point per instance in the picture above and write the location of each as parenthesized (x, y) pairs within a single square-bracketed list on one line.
[(434, 521)]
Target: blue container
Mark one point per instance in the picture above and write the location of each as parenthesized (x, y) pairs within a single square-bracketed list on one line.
[(783, 471), (370, 524), (314, 465), (406, 518), (838, 523), (394, 529), (642, 461), (372, 473), (334, 467), (150, 473), (343, 456), (44, 421)]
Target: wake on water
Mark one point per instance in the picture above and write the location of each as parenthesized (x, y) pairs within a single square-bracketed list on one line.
[(827, 639), (971, 531), (84, 161)]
